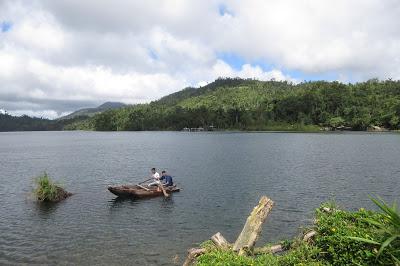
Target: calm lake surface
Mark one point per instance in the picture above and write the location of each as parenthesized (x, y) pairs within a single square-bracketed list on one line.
[(222, 175)]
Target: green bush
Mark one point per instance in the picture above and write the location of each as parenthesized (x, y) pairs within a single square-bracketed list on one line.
[(336, 121), (388, 238), (333, 232)]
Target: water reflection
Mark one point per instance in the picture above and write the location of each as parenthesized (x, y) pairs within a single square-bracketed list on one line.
[(167, 204), (119, 202), (46, 209)]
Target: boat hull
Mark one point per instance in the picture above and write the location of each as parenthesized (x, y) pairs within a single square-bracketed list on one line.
[(139, 193)]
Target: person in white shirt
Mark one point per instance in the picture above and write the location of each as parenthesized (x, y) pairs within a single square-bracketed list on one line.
[(155, 176)]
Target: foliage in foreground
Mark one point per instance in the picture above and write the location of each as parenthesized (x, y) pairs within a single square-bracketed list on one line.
[(389, 228), (337, 242), (47, 190)]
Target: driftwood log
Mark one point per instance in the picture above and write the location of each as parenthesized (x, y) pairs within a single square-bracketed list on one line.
[(253, 226), (272, 249), (192, 254)]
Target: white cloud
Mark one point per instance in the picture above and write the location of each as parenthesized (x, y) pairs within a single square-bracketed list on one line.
[(49, 114), (38, 31), (222, 69), (60, 55), (359, 36), (44, 81), (7, 65)]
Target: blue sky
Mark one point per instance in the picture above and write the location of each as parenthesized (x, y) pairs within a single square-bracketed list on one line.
[(5, 26), (234, 60), (224, 10)]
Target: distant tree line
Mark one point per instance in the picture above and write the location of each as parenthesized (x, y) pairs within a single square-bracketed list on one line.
[(26, 123)]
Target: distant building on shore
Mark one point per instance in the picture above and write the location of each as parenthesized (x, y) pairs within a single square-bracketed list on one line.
[(198, 129)]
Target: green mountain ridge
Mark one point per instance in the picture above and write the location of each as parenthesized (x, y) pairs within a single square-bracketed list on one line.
[(247, 104), (26, 123), (241, 104), (92, 111)]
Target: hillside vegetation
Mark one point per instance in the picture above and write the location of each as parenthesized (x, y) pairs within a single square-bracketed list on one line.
[(261, 105)]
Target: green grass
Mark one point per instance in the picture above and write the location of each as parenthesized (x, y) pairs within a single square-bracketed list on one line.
[(46, 189), (302, 254), (336, 243)]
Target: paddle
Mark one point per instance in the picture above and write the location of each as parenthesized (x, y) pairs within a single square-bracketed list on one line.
[(145, 181), (163, 190), (159, 185), (145, 188)]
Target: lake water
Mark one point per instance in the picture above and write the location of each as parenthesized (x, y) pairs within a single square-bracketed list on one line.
[(222, 175)]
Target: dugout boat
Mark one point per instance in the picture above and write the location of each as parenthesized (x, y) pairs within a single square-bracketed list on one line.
[(139, 192)]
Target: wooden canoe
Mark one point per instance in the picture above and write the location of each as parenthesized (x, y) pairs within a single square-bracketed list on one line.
[(139, 192)]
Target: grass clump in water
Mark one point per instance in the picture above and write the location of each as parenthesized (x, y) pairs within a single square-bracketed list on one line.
[(47, 190)]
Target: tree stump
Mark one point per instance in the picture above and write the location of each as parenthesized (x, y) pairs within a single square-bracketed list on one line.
[(220, 241), (253, 226)]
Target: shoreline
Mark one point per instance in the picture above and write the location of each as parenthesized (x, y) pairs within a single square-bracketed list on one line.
[(336, 237), (223, 131)]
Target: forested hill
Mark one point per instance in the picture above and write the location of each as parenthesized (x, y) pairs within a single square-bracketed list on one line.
[(88, 112), (24, 123), (262, 105)]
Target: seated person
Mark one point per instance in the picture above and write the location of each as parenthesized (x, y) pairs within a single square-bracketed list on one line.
[(167, 179), (155, 176)]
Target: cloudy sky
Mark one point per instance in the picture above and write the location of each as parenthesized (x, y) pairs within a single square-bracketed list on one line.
[(58, 56)]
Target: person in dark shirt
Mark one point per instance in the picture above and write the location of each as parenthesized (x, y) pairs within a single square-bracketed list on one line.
[(167, 179)]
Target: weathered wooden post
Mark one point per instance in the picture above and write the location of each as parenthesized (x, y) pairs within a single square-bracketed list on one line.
[(253, 226)]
